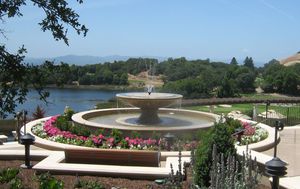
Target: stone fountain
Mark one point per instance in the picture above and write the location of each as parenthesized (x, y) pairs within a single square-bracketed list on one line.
[(149, 112), (149, 103)]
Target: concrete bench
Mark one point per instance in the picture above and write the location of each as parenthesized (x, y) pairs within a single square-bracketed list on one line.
[(113, 157)]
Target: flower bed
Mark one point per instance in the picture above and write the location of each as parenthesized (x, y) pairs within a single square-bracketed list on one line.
[(252, 133), (49, 131), (53, 130)]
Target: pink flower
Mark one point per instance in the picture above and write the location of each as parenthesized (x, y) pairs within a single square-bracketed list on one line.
[(101, 137), (248, 129)]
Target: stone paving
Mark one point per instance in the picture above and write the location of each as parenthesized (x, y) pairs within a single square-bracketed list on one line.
[(288, 149)]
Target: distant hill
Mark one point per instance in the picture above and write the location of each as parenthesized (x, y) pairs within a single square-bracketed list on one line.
[(83, 60), (292, 60)]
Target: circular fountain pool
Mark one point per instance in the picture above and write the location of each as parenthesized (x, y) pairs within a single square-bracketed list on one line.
[(125, 119), (149, 115)]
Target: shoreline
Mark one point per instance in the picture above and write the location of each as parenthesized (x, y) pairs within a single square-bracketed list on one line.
[(96, 87)]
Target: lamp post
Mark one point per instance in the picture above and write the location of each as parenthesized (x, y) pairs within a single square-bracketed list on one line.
[(267, 109), (27, 140), (276, 167), (169, 139)]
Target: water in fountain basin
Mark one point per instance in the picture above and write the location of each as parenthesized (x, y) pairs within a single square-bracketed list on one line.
[(172, 119)]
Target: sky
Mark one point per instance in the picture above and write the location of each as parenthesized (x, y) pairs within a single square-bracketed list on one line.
[(195, 29)]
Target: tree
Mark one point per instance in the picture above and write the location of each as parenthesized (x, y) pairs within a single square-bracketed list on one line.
[(228, 88), (233, 61), (124, 79), (17, 76), (248, 62), (245, 82)]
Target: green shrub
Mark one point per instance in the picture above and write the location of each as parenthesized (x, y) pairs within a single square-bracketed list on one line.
[(47, 181), (88, 184), (89, 143), (68, 113), (116, 134), (8, 174), (155, 135), (233, 124), (15, 183), (220, 135), (63, 123), (135, 134), (99, 131), (80, 130)]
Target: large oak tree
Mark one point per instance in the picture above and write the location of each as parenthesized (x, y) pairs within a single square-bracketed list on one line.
[(16, 76)]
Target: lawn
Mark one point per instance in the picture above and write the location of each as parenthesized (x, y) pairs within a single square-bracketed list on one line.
[(291, 112)]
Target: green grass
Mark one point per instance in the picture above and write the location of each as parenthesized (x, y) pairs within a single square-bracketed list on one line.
[(245, 108), (259, 96), (293, 112)]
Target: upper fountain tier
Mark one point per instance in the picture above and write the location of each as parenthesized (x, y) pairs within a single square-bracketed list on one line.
[(149, 101)]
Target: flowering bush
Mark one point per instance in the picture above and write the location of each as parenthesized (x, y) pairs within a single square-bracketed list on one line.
[(252, 133)]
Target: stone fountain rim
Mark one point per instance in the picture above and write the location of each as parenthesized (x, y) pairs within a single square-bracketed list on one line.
[(146, 96), (81, 119)]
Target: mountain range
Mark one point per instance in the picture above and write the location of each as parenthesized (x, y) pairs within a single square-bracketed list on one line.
[(83, 60)]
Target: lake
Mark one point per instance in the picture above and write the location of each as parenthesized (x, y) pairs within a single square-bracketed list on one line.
[(77, 99)]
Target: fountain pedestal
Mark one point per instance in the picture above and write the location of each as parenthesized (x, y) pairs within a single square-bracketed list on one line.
[(149, 116)]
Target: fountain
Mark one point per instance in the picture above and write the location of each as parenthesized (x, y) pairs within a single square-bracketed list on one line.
[(149, 103), (148, 113)]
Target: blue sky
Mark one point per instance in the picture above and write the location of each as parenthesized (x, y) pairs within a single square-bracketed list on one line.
[(196, 29)]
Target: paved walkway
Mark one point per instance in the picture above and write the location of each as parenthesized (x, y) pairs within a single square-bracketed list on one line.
[(288, 149)]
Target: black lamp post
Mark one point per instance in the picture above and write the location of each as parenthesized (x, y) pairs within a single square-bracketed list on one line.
[(27, 140), (267, 109), (169, 139), (276, 167)]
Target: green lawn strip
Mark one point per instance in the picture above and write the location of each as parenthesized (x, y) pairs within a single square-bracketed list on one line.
[(246, 108)]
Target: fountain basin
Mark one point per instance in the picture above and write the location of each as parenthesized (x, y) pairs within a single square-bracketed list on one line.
[(177, 121), (149, 103)]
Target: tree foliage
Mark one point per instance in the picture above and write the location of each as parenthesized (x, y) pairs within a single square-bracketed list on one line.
[(233, 61), (281, 79), (57, 12), (248, 62), (15, 75)]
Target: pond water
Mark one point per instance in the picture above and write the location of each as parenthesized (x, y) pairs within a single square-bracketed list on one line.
[(77, 99)]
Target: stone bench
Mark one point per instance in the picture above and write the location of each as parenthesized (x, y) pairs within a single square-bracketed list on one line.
[(113, 157)]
